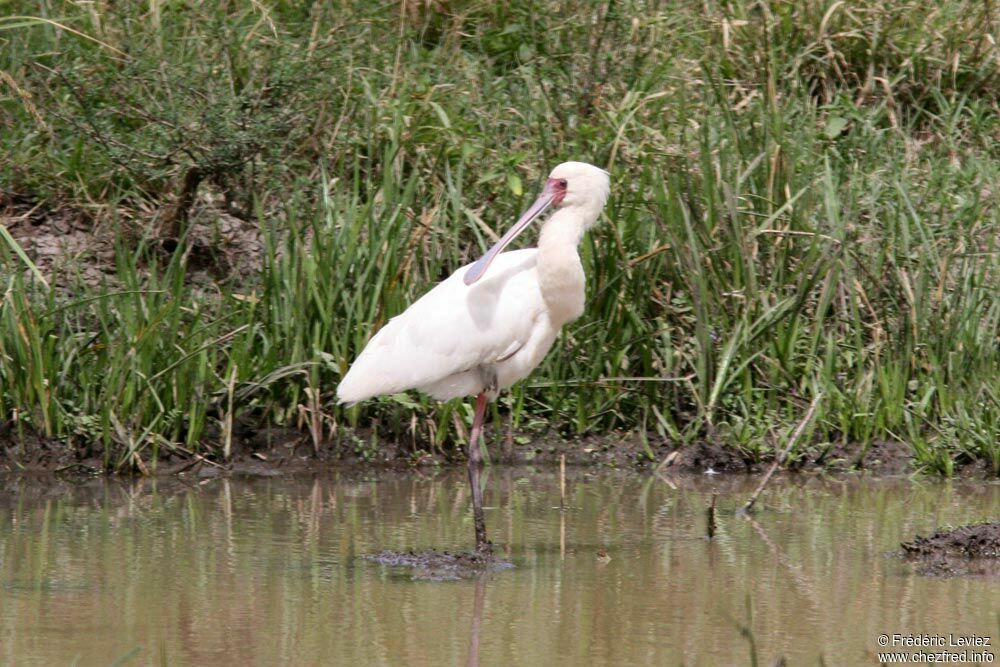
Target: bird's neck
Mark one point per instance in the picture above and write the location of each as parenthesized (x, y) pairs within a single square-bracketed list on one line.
[(560, 273)]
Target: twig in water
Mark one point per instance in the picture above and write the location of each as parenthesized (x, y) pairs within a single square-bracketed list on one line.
[(779, 459), (667, 461), (710, 530), (227, 422), (562, 481)]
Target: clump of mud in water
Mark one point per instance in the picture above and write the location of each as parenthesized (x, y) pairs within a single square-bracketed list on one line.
[(969, 550), (442, 565)]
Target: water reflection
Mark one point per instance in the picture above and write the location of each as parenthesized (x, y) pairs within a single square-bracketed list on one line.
[(477, 620), (267, 571)]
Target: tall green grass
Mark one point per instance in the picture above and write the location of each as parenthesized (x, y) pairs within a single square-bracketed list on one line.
[(804, 201)]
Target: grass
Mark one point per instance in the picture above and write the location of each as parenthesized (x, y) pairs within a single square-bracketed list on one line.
[(804, 201)]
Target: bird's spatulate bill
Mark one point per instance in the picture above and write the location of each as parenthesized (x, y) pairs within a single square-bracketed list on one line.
[(477, 270)]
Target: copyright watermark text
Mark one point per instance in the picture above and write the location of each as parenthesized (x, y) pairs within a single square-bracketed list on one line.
[(903, 648)]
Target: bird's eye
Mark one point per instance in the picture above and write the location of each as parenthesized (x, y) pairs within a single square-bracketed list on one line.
[(562, 182)]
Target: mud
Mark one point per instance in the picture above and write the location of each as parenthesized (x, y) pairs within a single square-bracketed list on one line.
[(706, 457), (883, 457), (442, 565), (262, 450), (972, 550), (69, 244)]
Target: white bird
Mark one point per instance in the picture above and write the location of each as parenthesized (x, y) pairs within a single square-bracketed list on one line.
[(491, 322)]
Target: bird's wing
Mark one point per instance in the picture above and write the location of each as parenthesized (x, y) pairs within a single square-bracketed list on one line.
[(453, 328)]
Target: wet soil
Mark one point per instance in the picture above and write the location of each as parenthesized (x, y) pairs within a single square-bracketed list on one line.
[(964, 551), (262, 450), (71, 243), (709, 457), (442, 565), (886, 457)]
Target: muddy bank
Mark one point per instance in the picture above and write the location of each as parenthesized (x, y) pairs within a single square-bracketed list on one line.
[(272, 450), (70, 243), (964, 551), (441, 565)]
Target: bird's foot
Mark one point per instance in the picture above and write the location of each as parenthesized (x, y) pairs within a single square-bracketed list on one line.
[(484, 550)]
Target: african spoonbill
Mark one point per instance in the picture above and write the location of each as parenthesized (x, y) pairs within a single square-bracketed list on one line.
[(491, 322)]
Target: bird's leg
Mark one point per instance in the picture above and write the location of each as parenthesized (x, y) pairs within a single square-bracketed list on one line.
[(482, 545)]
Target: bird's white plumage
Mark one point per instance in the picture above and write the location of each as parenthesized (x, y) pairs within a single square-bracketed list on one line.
[(459, 340), (442, 342)]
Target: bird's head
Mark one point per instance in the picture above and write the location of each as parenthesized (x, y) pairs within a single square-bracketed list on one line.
[(578, 184), (575, 185)]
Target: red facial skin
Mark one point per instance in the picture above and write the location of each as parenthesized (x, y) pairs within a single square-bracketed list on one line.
[(558, 186)]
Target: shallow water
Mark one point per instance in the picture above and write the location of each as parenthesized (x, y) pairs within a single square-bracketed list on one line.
[(270, 571)]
